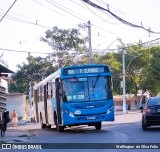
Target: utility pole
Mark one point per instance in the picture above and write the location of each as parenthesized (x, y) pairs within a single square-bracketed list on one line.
[(123, 77), (30, 93), (90, 45), (7, 11), (30, 100), (124, 81)]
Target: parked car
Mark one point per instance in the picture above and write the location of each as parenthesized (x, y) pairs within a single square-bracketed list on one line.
[(151, 113)]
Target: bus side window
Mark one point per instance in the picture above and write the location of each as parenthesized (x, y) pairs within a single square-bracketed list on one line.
[(41, 93), (49, 90), (38, 95), (53, 90)]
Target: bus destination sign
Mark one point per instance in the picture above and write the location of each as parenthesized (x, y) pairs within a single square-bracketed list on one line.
[(85, 70)]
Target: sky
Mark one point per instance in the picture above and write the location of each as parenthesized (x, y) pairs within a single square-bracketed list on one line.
[(19, 31)]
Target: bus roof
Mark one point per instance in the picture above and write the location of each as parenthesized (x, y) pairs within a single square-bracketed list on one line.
[(47, 79), (88, 69), (58, 73), (85, 65)]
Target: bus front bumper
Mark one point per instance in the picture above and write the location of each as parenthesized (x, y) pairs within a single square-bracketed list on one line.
[(71, 119)]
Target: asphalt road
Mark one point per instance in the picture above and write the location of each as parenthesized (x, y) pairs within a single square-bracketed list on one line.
[(125, 129), (119, 133)]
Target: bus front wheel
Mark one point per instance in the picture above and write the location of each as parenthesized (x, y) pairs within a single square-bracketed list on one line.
[(59, 128), (98, 125)]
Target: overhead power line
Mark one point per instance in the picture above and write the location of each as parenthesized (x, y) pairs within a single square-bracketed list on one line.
[(99, 16), (119, 18), (20, 51), (24, 21), (148, 41), (104, 3), (143, 43), (125, 47), (53, 3), (8, 10), (70, 12), (77, 3), (48, 7), (16, 14)]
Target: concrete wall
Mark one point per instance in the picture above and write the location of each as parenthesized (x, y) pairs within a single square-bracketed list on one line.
[(16, 101), (130, 101)]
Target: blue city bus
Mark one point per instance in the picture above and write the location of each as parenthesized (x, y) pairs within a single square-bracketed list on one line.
[(75, 95)]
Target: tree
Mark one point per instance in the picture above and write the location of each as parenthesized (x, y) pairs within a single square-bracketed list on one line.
[(151, 80), (136, 60), (142, 62), (142, 67), (67, 45), (115, 65), (37, 69)]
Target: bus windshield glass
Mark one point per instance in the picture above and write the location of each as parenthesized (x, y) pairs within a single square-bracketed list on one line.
[(87, 89)]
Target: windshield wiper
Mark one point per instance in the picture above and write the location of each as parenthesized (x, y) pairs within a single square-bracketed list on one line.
[(95, 83)]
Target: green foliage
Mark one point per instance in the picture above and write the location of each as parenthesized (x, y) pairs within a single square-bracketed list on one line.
[(115, 65), (136, 61), (142, 63), (151, 80), (37, 69), (142, 68), (66, 43), (64, 40)]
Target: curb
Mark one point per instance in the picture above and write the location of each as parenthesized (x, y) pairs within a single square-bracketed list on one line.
[(127, 112)]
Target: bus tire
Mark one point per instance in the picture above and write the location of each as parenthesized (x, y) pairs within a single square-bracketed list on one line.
[(55, 119), (98, 125), (60, 128), (41, 122)]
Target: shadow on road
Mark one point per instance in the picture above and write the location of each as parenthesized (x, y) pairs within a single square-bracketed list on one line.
[(91, 129), (76, 129), (155, 128)]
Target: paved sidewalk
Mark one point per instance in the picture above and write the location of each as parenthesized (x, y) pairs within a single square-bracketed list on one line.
[(129, 117), (23, 132)]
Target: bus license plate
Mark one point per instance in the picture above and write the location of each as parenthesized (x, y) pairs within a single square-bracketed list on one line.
[(91, 118)]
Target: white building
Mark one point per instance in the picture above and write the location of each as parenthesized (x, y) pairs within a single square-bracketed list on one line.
[(16, 101)]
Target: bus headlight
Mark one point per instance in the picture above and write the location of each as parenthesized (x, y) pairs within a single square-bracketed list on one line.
[(71, 114), (77, 112)]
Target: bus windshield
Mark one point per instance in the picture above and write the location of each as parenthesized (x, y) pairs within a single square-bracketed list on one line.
[(87, 89)]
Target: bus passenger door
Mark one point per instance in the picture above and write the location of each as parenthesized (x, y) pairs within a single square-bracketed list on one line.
[(58, 101), (36, 104), (45, 104)]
